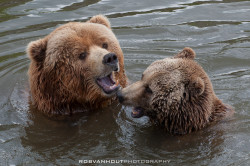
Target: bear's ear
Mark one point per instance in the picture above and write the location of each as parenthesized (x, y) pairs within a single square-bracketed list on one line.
[(198, 86), (36, 50), (100, 19), (186, 53)]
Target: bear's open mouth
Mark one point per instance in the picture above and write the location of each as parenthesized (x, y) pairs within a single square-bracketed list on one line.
[(137, 112), (107, 84)]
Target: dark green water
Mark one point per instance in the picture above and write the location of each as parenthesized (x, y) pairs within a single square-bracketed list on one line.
[(219, 32)]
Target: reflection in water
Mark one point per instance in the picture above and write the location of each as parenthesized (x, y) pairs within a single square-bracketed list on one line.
[(147, 30), (81, 136)]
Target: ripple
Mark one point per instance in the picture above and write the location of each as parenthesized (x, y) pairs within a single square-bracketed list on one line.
[(8, 127), (83, 4), (13, 65), (144, 11), (239, 72), (237, 11), (209, 23)]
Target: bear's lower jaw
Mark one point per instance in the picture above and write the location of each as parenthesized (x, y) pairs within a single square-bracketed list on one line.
[(137, 112), (107, 84)]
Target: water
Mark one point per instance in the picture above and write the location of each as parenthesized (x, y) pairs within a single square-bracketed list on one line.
[(219, 32)]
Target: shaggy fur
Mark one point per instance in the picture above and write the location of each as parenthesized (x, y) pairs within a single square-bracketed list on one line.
[(176, 93), (66, 63)]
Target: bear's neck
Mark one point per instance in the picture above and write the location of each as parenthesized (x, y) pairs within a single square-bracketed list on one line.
[(190, 116), (183, 117), (54, 108)]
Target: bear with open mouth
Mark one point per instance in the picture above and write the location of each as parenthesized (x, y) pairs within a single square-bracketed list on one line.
[(76, 67), (176, 94)]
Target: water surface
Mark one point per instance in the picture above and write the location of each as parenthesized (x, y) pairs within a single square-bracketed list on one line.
[(219, 32)]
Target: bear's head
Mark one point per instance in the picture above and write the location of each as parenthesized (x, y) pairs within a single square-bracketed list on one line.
[(175, 93), (77, 65)]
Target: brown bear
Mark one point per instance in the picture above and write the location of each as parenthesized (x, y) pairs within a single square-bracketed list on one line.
[(76, 67), (175, 93)]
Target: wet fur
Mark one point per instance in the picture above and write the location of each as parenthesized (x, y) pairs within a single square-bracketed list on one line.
[(182, 99), (60, 83)]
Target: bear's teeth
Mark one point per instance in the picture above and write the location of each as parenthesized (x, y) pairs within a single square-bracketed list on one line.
[(111, 78), (137, 112), (117, 82), (113, 86)]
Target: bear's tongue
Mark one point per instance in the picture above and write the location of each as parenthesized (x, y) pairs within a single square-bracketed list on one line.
[(107, 84)]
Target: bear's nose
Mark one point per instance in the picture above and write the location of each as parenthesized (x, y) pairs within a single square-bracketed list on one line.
[(120, 96), (111, 60)]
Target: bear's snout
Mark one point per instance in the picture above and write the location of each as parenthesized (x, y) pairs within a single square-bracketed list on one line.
[(111, 60), (120, 96)]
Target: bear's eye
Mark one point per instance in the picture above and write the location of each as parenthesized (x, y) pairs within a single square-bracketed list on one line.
[(105, 45), (148, 90), (82, 55)]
